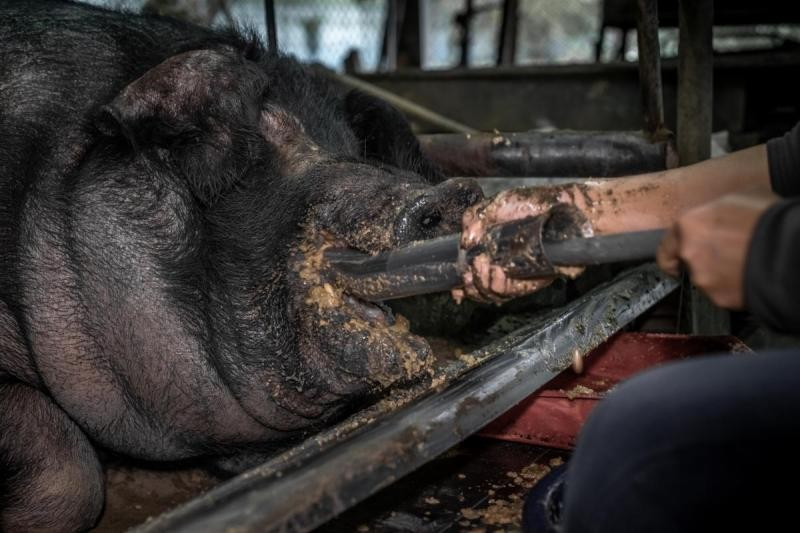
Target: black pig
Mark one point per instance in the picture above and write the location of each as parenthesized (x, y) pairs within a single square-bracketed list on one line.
[(165, 194)]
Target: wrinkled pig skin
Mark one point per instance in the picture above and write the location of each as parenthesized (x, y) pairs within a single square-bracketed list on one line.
[(166, 194)]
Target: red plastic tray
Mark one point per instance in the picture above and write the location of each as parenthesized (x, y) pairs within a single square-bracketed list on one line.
[(554, 415)]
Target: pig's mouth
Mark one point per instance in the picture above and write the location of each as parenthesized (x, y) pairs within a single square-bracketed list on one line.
[(370, 311), (322, 289), (386, 351), (326, 295)]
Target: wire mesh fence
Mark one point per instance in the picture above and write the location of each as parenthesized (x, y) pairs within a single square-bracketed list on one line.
[(548, 32), (331, 31), (339, 32)]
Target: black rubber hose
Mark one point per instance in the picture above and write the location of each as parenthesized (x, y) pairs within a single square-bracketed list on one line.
[(437, 265)]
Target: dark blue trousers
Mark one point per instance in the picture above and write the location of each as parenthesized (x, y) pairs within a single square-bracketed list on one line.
[(711, 444)]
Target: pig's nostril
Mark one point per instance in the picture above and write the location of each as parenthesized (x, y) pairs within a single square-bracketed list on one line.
[(474, 197), (431, 221), (436, 211), (421, 219)]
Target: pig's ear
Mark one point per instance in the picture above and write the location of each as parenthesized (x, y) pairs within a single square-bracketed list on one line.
[(385, 135), (190, 111)]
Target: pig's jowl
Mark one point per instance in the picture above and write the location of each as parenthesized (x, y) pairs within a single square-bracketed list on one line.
[(165, 194)]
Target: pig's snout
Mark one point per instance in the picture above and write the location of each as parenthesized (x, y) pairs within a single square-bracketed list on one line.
[(436, 211)]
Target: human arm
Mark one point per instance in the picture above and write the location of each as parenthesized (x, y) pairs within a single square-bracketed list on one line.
[(632, 203), (772, 268), (742, 250)]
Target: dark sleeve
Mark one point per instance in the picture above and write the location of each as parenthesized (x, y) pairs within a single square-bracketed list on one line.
[(783, 154), (772, 271)]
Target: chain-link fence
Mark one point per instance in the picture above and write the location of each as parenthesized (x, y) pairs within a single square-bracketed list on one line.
[(334, 32), (548, 32), (324, 31), (331, 31)]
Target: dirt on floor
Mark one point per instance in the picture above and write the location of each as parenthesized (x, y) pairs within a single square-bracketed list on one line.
[(478, 486), (136, 493), (507, 511)]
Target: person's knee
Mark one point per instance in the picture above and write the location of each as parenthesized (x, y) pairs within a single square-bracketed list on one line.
[(623, 418), (625, 427), (617, 441), (641, 447)]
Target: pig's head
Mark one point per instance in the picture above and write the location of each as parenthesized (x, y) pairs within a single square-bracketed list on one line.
[(246, 170)]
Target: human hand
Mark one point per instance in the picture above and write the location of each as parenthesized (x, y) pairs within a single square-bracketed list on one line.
[(712, 241), (487, 282)]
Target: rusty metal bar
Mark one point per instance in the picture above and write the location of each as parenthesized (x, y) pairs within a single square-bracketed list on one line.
[(327, 474), (547, 154), (650, 67)]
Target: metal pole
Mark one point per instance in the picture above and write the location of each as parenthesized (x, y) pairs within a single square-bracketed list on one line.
[(269, 18), (650, 65), (390, 37), (405, 105), (508, 33), (465, 19), (695, 104), (409, 48), (695, 80)]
